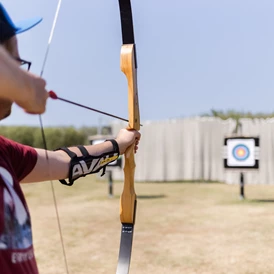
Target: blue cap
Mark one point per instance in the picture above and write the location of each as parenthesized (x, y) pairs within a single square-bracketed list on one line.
[(21, 26)]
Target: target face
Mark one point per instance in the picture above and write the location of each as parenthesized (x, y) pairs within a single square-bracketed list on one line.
[(241, 152)]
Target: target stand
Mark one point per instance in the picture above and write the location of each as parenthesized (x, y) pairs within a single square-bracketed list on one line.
[(241, 154)]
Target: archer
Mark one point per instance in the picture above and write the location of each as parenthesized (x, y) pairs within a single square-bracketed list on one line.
[(24, 164)]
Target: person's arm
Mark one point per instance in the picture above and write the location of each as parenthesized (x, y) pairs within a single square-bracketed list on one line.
[(19, 86), (58, 164)]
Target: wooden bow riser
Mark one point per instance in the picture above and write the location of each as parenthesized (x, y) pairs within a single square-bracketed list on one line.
[(128, 197), (128, 67)]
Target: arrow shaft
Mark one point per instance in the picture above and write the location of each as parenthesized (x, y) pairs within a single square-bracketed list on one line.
[(93, 109)]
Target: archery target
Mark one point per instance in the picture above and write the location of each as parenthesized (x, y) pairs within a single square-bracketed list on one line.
[(241, 153)]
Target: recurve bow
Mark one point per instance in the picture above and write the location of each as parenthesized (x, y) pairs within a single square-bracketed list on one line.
[(128, 199)]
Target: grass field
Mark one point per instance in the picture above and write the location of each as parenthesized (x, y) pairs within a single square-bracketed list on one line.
[(180, 228)]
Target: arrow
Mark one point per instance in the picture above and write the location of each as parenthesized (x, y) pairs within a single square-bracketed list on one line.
[(54, 96)]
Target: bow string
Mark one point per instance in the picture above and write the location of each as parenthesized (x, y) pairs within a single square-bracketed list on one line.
[(44, 137)]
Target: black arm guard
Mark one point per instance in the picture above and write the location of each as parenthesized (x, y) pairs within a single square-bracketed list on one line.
[(80, 166)]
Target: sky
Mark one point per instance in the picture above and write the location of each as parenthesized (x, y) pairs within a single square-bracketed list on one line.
[(192, 56)]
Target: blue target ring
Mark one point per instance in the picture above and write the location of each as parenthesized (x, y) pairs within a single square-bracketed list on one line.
[(241, 152)]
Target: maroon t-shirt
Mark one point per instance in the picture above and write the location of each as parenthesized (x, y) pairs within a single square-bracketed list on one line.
[(16, 249)]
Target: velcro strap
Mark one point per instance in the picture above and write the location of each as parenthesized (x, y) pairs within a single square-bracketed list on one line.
[(72, 155), (88, 164)]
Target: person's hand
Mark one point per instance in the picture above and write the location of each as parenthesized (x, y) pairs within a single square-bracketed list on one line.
[(126, 138), (34, 97)]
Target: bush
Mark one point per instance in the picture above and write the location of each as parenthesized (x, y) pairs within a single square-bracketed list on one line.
[(55, 137)]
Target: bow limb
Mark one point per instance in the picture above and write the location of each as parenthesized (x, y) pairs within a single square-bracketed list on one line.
[(128, 199)]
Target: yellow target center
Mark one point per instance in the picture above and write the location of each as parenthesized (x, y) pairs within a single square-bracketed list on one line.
[(241, 152)]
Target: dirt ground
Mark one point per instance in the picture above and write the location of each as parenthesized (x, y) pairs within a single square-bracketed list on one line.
[(180, 228)]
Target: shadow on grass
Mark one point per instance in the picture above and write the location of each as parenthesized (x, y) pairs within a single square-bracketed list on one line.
[(143, 197), (261, 200), (247, 201), (151, 196)]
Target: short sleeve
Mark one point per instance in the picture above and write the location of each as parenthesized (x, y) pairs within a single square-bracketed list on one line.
[(23, 158)]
